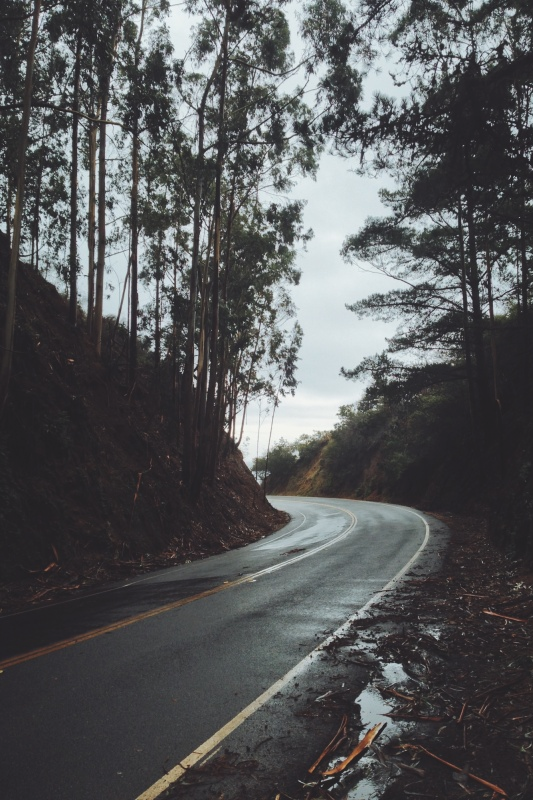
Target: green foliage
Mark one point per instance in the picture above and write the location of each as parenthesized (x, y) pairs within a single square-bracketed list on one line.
[(278, 466)]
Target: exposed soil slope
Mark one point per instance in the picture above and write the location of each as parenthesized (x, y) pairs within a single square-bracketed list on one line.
[(90, 472)]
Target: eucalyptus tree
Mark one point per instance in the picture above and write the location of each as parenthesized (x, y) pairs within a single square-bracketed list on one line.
[(258, 311), (239, 108), (146, 106), (9, 325)]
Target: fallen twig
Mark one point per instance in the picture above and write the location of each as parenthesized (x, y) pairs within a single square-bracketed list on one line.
[(367, 740), (455, 768), (399, 694), (503, 616), (332, 746)]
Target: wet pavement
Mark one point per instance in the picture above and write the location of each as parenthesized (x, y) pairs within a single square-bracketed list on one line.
[(202, 642)]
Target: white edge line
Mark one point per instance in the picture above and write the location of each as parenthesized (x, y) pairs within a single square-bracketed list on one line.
[(157, 789), (275, 537)]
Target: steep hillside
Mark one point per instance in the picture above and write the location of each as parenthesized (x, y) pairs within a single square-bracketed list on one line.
[(90, 471), (422, 452)]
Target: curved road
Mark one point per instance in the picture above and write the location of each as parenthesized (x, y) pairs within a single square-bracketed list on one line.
[(102, 695)]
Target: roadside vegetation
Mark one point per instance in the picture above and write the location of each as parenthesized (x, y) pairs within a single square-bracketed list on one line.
[(163, 178), (445, 419)]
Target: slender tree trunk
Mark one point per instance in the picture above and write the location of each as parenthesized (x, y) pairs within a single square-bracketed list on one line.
[(134, 287), (276, 401), (158, 279), (219, 412), (472, 400), (477, 312), (189, 430), (9, 328), (203, 343), (9, 205), (122, 296), (73, 253), (91, 223), (134, 303), (100, 263), (208, 437), (104, 88), (524, 306), (495, 377), (35, 228)]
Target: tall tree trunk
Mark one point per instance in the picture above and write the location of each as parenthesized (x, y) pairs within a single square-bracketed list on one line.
[(497, 415), (249, 379), (472, 394), (91, 222), (134, 290), (276, 402), (100, 263), (158, 280), (9, 328), (189, 430), (9, 205), (134, 285), (219, 412), (207, 439), (477, 312), (104, 89), (35, 227), (73, 253)]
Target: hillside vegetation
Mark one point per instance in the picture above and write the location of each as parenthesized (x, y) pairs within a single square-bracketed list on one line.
[(446, 417), (90, 471), (419, 449)]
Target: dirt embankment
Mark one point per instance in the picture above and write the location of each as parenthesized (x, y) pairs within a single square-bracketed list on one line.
[(90, 471)]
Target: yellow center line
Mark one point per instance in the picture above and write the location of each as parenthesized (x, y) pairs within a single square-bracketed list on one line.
[(115, 626)]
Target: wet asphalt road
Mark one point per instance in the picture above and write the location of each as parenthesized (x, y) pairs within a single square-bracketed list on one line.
[(107, 716)]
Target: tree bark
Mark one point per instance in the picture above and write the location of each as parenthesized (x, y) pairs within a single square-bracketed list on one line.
[(91, 226), (9, 328), (100, 263), (189, 428), (73, 253), (208, 427), (134, 287)]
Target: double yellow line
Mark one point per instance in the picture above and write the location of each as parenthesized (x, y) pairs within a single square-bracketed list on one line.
[(115, 626)]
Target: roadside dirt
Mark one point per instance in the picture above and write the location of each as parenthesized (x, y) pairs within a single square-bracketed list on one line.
[(447, 693)]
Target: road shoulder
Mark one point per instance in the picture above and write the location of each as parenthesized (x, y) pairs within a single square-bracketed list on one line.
[(444, 659)]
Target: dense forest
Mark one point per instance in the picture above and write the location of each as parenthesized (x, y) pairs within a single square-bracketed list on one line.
[(118, 150), (445, 419)]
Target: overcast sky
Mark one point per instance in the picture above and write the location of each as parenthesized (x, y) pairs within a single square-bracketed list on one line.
[(338, 202)]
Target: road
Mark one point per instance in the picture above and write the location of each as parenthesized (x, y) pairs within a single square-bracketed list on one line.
[(103, 695)]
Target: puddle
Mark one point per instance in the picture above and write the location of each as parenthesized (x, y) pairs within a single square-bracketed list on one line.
[(373, 708), (394, 673), (366, 789), (375, 775)]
